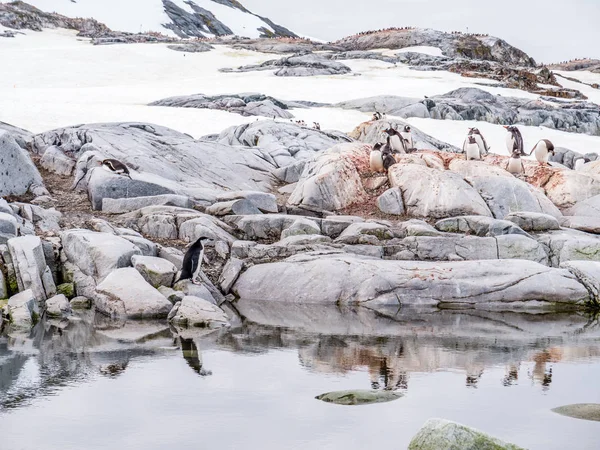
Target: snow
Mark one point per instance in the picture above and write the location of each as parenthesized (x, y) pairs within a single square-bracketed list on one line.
[(133, 16), (425, 49), (584, 76), (56, 79)]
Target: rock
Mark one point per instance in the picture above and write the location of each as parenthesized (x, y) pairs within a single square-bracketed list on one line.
[(3, 289), (197, 312), (443, 434), (173, 255), (265, 202), (588, 274), (416, 227), (156, 271), (263, 226), (8, 227), (299, 227), (531, 221), (58, 307), (230, 274), (505, 195), (390, 202), (584, 411), (19, 174), (125, 293), (516, 246), (570, 245), (374, 183), (589, 207), (298, 66), (45, 220), (568, 187), (303, 240), (54, 160), (434, 194), (582, 223), (146, 247), (97, 254), (191, 47), (81, 302), (32, 272), (66, 289), (171, 294), (124, 205), (195, 290), (333, 226), (23, 310), (479, 226), (371, 251), (472, 169), (345, 279), (291, 173), (206, 226), (353, 234), (233, 207), (358, 397), (332, 181), (103, 184)]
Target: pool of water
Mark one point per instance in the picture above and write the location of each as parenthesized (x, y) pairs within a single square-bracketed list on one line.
[(96, 384)]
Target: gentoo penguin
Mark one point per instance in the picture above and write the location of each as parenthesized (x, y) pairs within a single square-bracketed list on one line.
[(376, 160), (192, 261), (407, 137), (515, 164), (395, 140), (387, 155), (114, 166), (376, 115), (483, 147), (542, 150), (580, 162), (471, 149), (514, 141), (316, 125)]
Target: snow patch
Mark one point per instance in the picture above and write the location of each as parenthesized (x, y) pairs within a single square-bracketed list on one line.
[(424, 49)]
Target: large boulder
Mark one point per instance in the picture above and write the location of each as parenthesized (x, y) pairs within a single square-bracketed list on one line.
[(530, 221), (156, 271), (568, 187), (197, 312), (23, 310), (18, 174), (58, 307), (97, 254), (588, 273), (390, 202), (570, 245), (345, 279), (125, 205), (479, 226), (265, 202), (266, 226), (125, 293), (436, 194), (9, 227), (582, 223), (332, 181), (55, 160), (31, 269), (438, 434)]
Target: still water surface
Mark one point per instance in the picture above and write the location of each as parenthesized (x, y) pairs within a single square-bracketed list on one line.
[(93, 384)]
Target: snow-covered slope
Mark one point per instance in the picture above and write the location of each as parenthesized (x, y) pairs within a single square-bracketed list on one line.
[(184, 18)]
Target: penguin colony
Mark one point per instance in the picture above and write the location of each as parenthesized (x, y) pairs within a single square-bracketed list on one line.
[(475, 147)]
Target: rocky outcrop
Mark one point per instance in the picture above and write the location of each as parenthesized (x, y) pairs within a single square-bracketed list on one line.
[(18, 174), (23, 310), (244, 104), (197, 312), (31, 270), (297, 66), (438, 434), (191, 47), (156, 271)]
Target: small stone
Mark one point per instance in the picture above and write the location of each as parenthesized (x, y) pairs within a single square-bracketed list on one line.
[(81, 302), (197, 312), (66, 289), (156, 271), (230, 274), (390, 202), (58, 307)]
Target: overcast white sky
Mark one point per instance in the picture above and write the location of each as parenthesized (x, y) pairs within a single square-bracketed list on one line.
[(547, 30)]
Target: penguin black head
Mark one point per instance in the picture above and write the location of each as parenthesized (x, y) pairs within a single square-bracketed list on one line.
[(407, 128), (200, 242), (472, 140), (390, 131), (377, 146), (516, 154), (474, 131)]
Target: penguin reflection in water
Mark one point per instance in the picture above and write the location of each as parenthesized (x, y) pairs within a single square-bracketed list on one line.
[(193, 357), (192, 261)]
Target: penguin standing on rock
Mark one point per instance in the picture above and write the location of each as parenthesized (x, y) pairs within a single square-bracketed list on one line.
[(387, 155), (407, 138), (481, 142), (471, 149), (395, 140), (542, 151), (376, 159), (515, 164), (514, 141), (192, 261), (116, 167)]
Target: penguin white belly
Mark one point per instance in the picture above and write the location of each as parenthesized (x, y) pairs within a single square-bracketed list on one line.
[(376, 161), (408, 138), (481, 144), (579, 164), (510, 142), (515, 165), (541, 152), (396, 144), (198, 266), (472, 151)]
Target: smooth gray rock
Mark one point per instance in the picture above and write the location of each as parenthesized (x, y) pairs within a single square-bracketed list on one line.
[(206, 226), (358, 397), (298, 66), (588, 274), (447, 435), (230, 274), (8, 227), (55, 160), (390, 202), (301, 226), (3, 289), (263, 226), (291, 173), (18, 174), (433, 194), (354, 233), (416, 227), (265, 202), (566, 188), (589, 207), (195, 290), (371, 251), (31, 269), (345, 279), (44, 219), (125, 293), (531, 221), (156, 271), (479, 226), (171, 294), (146, 247), (197, 312), (125, 205), (173, 255), (97, 254), (23, 310), (333, 226), (570, 245), (81, 302), (303, 240), (233, 207), (58, 307), (582, 223)]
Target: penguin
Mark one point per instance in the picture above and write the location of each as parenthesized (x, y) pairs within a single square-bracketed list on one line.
[(316, 125), (471, 149), (376, 115), (542, 150), (376, 159), (115, 166), (515, 164), (387, 155), (481, 142), (395, 141), (192, 261), (407, 137), (514, 140)]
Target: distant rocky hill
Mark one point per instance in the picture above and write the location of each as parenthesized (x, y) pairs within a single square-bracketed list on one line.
[(593, 65)]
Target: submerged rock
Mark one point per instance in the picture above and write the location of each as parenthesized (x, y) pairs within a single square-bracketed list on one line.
[(438, 434), (585, 411), (359, 397)]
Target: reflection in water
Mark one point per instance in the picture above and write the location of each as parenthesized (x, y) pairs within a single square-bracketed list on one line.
[(386, 347)]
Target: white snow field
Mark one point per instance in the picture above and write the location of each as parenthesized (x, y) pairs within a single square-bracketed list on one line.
[(54, 79)]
